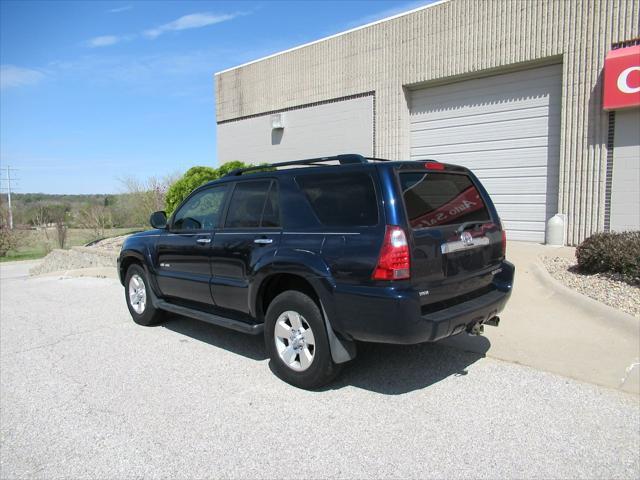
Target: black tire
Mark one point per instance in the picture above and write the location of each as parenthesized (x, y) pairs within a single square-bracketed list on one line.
[(321, 370), (149, 315)]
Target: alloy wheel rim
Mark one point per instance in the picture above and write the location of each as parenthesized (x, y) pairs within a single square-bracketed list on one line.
[(295, 342), (137, 294)]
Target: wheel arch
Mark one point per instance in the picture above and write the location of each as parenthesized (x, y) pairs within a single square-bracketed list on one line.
[(276, 283), (128, 258), (342, 349)]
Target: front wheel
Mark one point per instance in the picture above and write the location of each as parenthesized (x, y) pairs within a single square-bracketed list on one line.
[(136, 291), (297, 343)]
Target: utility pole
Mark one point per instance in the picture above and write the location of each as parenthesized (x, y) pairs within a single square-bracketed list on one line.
[(8, 179), (9, 197)]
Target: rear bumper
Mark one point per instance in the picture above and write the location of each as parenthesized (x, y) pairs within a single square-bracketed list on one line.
[(393, 316)]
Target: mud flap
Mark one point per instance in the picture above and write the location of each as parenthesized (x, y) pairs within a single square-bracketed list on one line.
[(342, 350)]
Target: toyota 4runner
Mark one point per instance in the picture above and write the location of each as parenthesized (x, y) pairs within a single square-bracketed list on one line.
[(315, 259)]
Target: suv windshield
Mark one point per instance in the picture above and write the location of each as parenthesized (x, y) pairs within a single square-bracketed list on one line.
[(437, 198)]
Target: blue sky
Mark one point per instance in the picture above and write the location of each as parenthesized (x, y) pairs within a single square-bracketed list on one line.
[(96, 91)]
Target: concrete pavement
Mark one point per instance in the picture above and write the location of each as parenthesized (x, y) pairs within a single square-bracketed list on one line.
[(86, 393), (550, 327)]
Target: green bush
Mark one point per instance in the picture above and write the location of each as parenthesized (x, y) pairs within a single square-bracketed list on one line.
[(610, 252), (192, 179)]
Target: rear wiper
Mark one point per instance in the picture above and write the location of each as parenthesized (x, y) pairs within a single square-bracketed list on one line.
[(466, 225)]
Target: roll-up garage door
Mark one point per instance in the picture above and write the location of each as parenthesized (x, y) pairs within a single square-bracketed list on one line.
[(506, 129)]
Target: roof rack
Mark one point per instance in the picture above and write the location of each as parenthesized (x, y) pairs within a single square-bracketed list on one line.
[(378, 159), (344, 159)]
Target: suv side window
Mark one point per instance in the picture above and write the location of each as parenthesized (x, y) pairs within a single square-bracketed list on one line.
[(253, 204), (271, 213), (341, 199), (201, 211)]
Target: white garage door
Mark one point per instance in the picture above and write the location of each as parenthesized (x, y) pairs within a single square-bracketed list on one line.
[(625, 186), (506, 129), (317, 131)]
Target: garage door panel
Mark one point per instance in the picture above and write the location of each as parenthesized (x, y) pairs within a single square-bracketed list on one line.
[(315, 131), (483, 173), (498, 159), (549, 72), (493, 131), (489, 98), (487, 124), (493, 90), (439, 112), (502, 198), (523, 225), (521, 185), (525, 212), (446, 120), (512, 144), (506, 130)]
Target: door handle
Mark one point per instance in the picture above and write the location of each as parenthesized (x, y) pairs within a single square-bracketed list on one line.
[(203, 240), (263, 241)]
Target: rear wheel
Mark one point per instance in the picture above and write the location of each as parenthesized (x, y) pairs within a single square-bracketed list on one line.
[(136, 291), (296, 340)]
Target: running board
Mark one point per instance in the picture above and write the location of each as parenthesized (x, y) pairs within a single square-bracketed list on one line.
[(237, 325)]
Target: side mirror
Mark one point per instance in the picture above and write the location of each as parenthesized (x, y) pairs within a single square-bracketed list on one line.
[(158, 219)]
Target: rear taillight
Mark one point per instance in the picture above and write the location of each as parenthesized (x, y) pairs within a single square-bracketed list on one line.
[(393, 263), (504, 243)]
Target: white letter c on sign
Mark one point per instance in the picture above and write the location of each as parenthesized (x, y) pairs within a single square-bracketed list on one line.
[(623, 86)]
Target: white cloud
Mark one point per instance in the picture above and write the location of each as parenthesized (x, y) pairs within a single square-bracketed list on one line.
[(194, 20), (120, 9), (104, 41), (12, 76), (108, 40)]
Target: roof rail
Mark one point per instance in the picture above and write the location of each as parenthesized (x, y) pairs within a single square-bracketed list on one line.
[(375, 159), (344, 159)]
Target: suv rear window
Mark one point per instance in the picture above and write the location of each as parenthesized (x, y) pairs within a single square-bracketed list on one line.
[(434, 199), (341, 199)]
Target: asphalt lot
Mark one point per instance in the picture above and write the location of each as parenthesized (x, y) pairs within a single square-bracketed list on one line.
[(87, 393)]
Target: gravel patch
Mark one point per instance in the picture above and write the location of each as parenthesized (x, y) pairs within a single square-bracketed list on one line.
[(103, 253), (610, 289), (109, 244), (75, 258)]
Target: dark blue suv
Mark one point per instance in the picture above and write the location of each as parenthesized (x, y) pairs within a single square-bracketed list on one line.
[(349, 249)]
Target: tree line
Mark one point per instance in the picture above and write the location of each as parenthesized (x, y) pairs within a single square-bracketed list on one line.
[(100, 212)]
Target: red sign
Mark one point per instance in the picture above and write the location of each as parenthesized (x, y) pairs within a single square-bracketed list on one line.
[(622, 78)]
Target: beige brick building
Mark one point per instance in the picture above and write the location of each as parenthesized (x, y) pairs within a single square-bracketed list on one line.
[(512, 89)]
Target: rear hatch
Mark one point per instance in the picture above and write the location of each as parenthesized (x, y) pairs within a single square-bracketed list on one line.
[(455, 235)]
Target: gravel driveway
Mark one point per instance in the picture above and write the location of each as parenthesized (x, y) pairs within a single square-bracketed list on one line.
[(88, 394)]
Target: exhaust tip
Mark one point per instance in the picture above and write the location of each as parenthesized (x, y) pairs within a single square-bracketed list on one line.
[(493, 321), (475, 329)]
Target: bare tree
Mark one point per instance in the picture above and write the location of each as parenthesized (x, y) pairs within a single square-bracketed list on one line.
[(142, 198), (96, 218), (59, 215), (61, 234), (40, 216)]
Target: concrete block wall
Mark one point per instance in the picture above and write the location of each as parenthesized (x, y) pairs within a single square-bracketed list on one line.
[(453, 40)]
